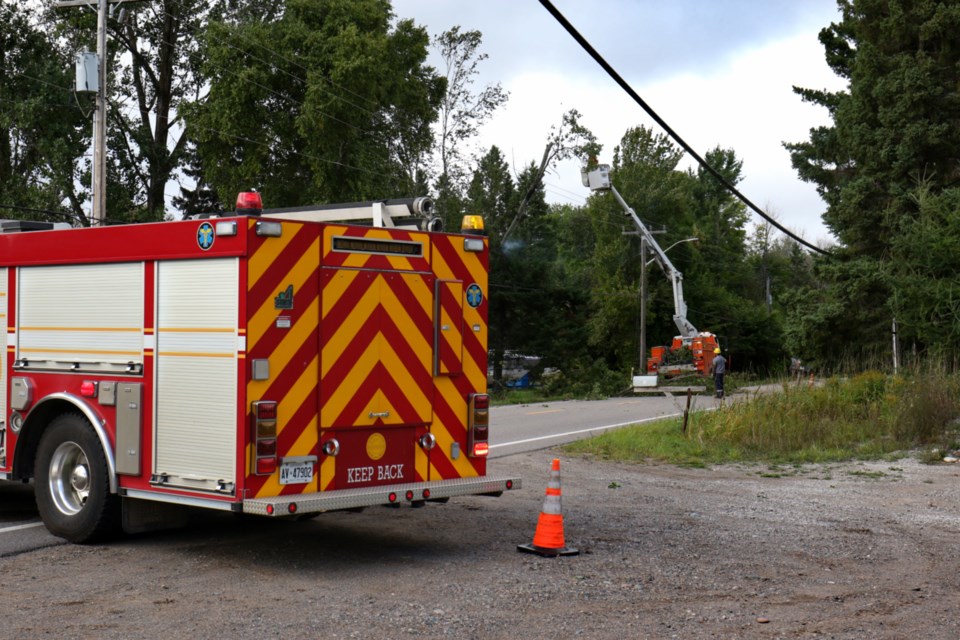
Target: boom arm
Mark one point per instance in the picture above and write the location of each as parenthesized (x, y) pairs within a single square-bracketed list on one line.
[(599, 180)]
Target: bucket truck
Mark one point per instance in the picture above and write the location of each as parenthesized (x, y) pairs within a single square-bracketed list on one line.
[(700, 343)]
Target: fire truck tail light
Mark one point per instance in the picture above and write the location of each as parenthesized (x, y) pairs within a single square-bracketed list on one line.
[(264, 435), (478, 425), (266, 466), (266, 410), (392, 497), (267, 447), (88, 389), (292, 507)]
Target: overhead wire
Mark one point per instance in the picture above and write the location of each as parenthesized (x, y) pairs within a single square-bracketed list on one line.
[(586, 46)]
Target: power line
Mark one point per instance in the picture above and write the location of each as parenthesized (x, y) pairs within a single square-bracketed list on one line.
[(574, 199), (42, 81), (663, 124)]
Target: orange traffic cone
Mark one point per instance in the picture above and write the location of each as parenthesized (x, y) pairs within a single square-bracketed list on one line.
[(548, 539)]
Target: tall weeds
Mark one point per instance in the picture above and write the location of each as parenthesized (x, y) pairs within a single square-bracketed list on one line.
[(867, 415)]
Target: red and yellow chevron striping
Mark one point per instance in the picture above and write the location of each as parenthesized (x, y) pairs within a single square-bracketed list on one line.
[(373, 337), (283, 328)]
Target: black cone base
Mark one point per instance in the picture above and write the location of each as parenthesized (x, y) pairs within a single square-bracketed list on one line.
[(548, 553)]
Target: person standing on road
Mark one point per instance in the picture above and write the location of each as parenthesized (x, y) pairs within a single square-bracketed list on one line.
[(718, 368)]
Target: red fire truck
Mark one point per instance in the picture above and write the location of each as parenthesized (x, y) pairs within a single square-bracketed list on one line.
[(271, 363)]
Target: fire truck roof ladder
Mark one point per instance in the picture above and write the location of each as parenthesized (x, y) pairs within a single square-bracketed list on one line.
[(406, 213)]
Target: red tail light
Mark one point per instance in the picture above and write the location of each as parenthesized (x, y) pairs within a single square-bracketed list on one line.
[(266, 466), (478, 425), (267, 448), (264, 437), (266, 410)]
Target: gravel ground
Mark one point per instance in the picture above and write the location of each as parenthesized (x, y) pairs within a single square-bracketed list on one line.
[(840, 551)]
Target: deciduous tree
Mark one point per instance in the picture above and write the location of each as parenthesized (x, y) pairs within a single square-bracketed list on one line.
[(43, 134), (329, 101)]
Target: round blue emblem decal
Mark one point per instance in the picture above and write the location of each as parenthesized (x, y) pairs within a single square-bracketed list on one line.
[(205, 236), (474, 295)]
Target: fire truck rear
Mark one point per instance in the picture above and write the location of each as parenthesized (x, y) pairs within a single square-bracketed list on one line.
[(274, 364)]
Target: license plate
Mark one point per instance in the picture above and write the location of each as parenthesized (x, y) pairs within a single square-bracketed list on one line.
[(296, 472)]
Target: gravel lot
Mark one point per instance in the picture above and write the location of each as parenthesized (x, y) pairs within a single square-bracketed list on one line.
[(840, 551)]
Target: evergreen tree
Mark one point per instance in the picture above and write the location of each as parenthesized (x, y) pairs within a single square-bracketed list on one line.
[(891, 151)]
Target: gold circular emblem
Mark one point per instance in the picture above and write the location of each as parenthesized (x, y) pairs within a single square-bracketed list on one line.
[(376, 446)]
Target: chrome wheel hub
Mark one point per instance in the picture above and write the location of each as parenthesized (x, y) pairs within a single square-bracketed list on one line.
[(69, 481)]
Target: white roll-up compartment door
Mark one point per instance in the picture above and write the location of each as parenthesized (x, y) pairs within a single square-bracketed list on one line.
[(3, 353), (81, 317), (196, 377)]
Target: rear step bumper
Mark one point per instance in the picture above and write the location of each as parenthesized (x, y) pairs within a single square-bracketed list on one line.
[(370, 496)]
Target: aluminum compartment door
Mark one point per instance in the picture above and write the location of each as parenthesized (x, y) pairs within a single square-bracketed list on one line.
[(196, 385)]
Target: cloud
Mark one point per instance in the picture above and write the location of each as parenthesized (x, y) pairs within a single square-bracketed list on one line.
[(747, 104), (718, 73)]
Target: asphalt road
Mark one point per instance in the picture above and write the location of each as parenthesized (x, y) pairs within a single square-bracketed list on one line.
[(20, 526), (527, 427), (514, 429)]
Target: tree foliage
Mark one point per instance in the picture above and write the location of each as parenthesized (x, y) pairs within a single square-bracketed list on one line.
[(326, 102), (42, 130), (152, 68), (887, 168), (565, 284), (463, 110)]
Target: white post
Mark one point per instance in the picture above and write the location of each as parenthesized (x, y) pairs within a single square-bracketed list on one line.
[(895, 347)]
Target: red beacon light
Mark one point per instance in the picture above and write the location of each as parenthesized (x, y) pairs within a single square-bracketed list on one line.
[(249, 203)]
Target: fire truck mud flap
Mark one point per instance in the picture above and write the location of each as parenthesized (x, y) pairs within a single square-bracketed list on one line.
[(415, 492)]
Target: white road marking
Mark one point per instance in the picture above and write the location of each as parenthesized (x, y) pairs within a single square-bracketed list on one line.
[(21, 526), (554, 436)]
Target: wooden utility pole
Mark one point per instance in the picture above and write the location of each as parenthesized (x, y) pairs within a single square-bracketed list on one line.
[(99, 177)]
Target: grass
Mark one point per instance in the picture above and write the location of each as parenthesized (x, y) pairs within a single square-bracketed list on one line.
[(867, 416)]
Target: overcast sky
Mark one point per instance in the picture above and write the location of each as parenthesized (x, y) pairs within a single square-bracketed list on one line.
[(720, 72)]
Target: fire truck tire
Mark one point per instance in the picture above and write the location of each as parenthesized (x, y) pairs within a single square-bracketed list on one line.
[(72, 483)]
